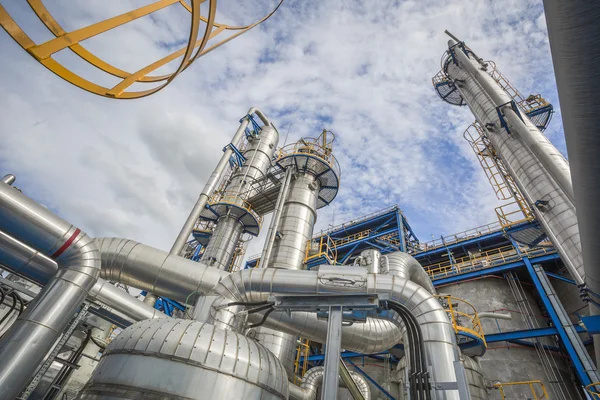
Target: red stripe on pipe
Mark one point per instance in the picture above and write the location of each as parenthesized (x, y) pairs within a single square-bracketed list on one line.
[(66, 245)]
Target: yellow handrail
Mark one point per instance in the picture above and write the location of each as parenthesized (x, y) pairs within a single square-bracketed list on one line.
[(467, 322), (326, 248), (484, 260), (302, 350), (531, 384)]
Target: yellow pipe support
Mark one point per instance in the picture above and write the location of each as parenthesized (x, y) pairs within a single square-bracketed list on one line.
[(72, 40)]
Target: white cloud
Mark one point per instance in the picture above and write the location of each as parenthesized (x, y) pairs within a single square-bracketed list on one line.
[(361, 69)]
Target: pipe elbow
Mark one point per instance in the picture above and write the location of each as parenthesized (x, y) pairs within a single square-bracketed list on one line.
[(405, 266)]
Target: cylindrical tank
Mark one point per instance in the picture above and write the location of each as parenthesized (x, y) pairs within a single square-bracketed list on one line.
[(222, 244), (229, 229), (529, 173), (202, 362), (297, 222), (509, 362)]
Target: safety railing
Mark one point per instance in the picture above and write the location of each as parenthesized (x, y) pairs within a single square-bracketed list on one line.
[(351, 238), (537, 388), (513, 214), (535, 106), (325, 249), (237, 201), (593, 389), (483, 260), (464, 322), (460, 236), (320, 147), (302, 352)]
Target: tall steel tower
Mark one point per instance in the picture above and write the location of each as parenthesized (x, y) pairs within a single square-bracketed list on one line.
[(508, 134)]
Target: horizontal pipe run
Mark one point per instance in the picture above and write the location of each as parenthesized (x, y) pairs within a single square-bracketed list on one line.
[(30, 264)]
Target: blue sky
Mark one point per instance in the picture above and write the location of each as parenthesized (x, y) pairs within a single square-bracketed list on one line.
[(361, 69)]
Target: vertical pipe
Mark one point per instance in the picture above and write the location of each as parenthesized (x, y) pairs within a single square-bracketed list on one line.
[(574, 34), (283, 192), (188, 226), (30, 338)]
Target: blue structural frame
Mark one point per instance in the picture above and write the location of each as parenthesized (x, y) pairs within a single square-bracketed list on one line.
[(392, 221), (165, 305)]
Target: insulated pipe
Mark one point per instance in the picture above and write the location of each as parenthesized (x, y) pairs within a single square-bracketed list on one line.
[(30, 264), (574, 34), (283, 192), (141, 266), (24, 346), (439, 339), (405, 266), (146, 268), (313, 379), (212, 182), (493, 315), (548, 155)]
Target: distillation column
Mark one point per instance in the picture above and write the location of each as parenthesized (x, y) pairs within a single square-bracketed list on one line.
[(234, 215), (539, 170), (313, 185)]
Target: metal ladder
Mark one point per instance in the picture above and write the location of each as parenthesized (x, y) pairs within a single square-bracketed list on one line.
[(55, 351)]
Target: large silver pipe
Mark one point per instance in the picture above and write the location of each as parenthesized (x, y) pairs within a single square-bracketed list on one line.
[(144, 267), (30, 338), (438, 334), (313, 379), (150, 269), (535, 182), (30, 264), (405, 266), (272, 233), (212, 182), (574, 34), (549, 156)]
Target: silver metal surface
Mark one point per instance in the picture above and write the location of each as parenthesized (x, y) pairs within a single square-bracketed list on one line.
[(574, 36), (530, 174), (283, 345), (333, 348), (202, 362), (438, 334), (552, 160), (371, 259), (221, 246), (9, 179), (212, 181), (156, 271), (229, 229), (405, 266), (24, 345), (276, 218), (30, 264), (313, 379), (297, 222)]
